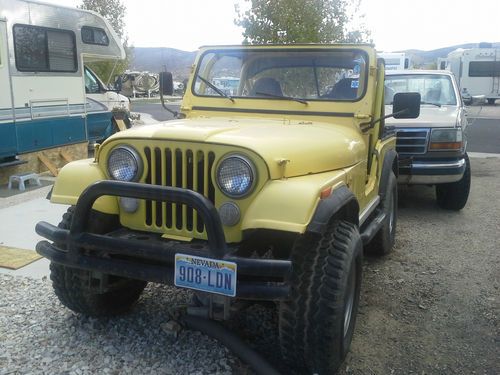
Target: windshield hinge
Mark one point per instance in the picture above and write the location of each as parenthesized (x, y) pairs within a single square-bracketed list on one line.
[(362, 116)]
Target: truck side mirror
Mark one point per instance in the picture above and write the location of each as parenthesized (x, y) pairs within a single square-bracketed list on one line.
[(406, 105), (118, 84), (166, 83)]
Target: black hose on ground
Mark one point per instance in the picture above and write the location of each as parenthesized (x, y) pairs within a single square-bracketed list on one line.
[(232, 342)]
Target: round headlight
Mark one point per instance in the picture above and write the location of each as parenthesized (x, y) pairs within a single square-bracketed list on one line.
[(124, 164), (236, 176)]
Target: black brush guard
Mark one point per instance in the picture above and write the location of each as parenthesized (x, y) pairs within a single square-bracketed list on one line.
[(153, 259)]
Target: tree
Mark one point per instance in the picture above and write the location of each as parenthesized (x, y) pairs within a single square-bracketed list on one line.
[(299, 21), (114, 12)]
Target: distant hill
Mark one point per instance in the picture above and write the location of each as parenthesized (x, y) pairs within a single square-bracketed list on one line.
[(158, 59), (179, 62)]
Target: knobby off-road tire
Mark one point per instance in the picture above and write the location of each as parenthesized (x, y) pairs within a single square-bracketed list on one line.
[(74, 287), (317, 323), (454, 195), (383, 241)]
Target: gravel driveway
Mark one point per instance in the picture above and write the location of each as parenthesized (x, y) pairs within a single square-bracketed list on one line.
[(430, 307)]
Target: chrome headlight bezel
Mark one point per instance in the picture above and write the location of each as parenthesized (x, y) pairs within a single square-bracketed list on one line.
[(134, 157), (247, 163)]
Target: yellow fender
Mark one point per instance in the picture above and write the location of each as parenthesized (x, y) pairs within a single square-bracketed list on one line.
[(74, 178), (289, 204)]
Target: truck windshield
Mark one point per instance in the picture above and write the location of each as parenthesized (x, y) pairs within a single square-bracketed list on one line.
[(433, 88), (306, 74)]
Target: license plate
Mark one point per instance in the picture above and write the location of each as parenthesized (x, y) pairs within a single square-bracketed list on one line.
[(205, 274)]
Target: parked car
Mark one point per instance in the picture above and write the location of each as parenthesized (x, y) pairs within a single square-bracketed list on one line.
[(432, 148), (268, 193)]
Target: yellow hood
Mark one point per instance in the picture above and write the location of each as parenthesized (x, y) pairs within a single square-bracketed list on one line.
[(290, 148)]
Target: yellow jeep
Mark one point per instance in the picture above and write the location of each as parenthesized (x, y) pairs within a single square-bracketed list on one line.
[(275, 175)]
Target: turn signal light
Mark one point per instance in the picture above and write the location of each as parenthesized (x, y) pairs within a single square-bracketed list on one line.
[(325, 193), (445, 145)]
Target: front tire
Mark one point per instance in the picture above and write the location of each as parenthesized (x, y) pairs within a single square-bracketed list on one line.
[(454, 195), (80, 292), (317, 324)]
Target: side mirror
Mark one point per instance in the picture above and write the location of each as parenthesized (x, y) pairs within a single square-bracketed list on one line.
[(166, 83), (406, 105), (118, 84)]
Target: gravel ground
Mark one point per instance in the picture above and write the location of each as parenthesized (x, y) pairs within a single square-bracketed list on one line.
[(430, 307)]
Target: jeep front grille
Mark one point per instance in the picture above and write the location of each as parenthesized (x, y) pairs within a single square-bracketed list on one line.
[(412, 141), (183, 168)]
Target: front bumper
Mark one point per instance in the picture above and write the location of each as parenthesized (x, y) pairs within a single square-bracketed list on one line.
[(146, 256), (430, 171)]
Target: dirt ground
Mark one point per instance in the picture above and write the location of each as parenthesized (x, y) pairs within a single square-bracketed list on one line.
[(431, 306)]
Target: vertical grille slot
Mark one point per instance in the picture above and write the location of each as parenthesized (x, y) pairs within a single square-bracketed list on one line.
[(200, 162), (211, 188), (182, 168), (168, 182), (189, 185), (178, 183)]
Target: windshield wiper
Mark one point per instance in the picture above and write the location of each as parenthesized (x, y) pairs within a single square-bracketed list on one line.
[(436, 104), (282, 97), (215, 88)]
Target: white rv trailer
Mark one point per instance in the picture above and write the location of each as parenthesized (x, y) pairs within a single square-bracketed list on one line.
[(43, 79), (395, 60), (477, 71)]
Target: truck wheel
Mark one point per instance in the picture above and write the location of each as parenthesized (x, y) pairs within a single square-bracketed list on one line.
[(316, 324), (491, 101), (454, 195), (383, 241), (74, 287)]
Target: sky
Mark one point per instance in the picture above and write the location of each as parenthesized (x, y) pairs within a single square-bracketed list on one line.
[(394, 24)]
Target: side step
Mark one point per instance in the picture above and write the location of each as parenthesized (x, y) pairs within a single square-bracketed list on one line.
[(373, 227)]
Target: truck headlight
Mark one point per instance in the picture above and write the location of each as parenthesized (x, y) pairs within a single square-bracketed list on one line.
[(124, 164), (446, 139), (236, 176)]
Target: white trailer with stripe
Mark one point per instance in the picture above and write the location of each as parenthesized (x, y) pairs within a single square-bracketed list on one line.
[(48, 98)]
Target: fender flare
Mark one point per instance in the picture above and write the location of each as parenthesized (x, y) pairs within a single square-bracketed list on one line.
[(390, 164), (341, 200)]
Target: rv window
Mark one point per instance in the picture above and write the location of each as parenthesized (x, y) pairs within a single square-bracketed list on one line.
[(94, 35), (484, 69), (40, 49)]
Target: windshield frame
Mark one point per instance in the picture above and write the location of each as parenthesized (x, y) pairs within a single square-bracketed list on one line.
[(271, 50)]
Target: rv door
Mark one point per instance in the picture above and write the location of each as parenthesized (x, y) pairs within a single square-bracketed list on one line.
[(8, 142)]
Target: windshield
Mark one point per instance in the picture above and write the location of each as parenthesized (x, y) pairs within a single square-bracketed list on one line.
[(279, 74), (91, 82), (433, 88)]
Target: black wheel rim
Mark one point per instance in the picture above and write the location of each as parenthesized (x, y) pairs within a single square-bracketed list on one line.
[(349, 299)]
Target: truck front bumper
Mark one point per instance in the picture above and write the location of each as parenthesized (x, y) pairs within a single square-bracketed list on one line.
[(430, 171), (146, 256)]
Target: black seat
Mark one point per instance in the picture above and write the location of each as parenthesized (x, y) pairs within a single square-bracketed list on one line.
[(266, 85), (343, 89)]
